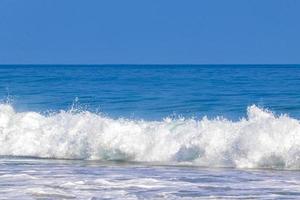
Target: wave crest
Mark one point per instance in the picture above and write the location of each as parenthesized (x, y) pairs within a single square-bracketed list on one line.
[(260, 140)]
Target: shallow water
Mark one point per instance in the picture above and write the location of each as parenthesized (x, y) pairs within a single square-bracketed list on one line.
[(65, 179)]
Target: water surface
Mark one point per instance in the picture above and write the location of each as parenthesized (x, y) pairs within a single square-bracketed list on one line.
[(150, 132)]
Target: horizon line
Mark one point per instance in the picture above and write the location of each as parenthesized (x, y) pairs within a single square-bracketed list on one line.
[(95, 64)]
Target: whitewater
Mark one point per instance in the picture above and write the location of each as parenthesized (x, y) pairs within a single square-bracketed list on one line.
[(260, 140)]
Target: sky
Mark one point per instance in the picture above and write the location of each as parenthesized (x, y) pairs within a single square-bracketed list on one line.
[(149, 32)]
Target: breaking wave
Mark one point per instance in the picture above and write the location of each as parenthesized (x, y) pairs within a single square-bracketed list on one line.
[(262, 139)]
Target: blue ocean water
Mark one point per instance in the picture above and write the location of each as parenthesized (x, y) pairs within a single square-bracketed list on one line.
[(154, 91), (150, 132)]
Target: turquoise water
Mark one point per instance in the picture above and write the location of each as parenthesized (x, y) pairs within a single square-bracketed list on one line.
[(150, 132)]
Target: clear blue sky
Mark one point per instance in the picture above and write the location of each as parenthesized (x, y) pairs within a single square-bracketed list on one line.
[(149, 31)]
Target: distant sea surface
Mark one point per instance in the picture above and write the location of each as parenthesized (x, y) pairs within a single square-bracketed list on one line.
[(149, 131), (155, 91)]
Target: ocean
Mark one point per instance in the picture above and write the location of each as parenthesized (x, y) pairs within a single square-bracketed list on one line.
[(149, 132)]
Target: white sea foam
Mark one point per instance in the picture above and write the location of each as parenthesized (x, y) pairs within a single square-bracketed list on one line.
[(260, 140)]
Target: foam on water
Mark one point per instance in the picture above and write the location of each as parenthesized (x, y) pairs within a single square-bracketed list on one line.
[(260, 140)]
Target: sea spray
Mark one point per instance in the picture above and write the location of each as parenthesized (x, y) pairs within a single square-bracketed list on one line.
[(260, 140)]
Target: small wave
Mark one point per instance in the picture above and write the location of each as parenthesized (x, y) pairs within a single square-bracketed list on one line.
[(262, 139)]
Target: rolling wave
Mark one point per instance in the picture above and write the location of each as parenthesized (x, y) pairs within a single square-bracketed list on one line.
[(262, 139)]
